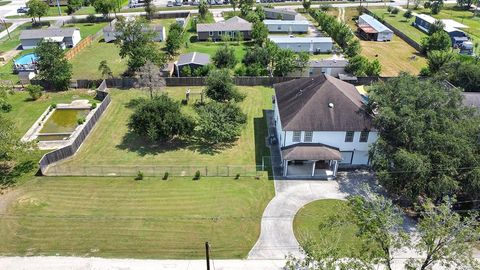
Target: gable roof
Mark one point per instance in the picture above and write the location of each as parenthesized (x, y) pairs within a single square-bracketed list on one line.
[(233, 24), (151, 27), (321, 103), (374, 23), (48, 32), (310, 151), (193, 58)]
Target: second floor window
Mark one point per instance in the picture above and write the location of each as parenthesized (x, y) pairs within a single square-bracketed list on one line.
[(308, 136), (296, 136), (364, 136), (349, 136)]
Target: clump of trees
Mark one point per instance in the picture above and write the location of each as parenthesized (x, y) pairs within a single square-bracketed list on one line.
[(136, 44), (259, 33), (52, 66), (37, 9), (175, 39), (359, 65), (220, 87), (224, 57), (428, 142)]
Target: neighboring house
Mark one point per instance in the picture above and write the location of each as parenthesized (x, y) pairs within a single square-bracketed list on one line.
[(453, 28), (66, 37), (304, 44), (332, 67), (320, 124), (279, 26), (371, 29), (54, 3), (110, 34), (193, 60), (231, 27), (279, 14)]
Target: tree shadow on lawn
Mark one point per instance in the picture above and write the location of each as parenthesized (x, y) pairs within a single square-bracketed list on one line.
[(141, 145)]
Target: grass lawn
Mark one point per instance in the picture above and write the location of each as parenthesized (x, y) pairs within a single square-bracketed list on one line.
[(7, 44), (164, 22), (111, 136), (25, 111), (87, 29), (329, 223), (121, 217), (85, 63), (398, 21)]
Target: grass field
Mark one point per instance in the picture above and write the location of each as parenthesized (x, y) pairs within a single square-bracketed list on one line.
[(87, 29), (329, 224), (111, 136), (85, 63), (25, 111), (395, 56), (121, 217)]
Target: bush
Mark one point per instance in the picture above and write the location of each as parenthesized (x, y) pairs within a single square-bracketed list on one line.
[(53, 106), (237, 176), (91, 18), (81, 120), (220, 87), (389, 9), (395, 10), (94, 105), (165, 176), (325, 7), (197, 175), (139, 176), (35, 91)]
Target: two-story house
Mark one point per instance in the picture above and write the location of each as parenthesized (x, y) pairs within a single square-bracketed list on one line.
[(321, 123)]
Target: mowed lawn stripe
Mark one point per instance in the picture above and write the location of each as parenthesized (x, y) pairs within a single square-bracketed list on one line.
[(120, 217)]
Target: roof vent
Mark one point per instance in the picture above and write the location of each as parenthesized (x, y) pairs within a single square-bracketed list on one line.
[(330, 105)]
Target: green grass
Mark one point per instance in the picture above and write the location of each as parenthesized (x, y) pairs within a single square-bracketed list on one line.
[(329, 224), (7, 44), (111, 136), (85, 63), (25, 111), (121, 217), (87, 29), (399, 22)]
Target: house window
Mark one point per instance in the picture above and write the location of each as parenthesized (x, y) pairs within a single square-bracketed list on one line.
[(297, 136), (210, 33), (349, 136), (307, 137), (364, 136)]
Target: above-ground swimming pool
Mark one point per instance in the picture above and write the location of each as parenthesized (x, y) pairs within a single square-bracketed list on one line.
[(25, 62)]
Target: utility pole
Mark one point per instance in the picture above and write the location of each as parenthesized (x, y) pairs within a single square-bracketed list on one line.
[(207, 254), (5, 25), (59, 9)]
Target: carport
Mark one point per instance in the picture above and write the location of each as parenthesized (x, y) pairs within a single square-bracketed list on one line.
[(310, 160)]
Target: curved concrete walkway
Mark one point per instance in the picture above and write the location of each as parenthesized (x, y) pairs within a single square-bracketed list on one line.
[(277, 238)]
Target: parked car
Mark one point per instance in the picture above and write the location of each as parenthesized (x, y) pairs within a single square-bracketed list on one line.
[(22, 10), (169, 4)]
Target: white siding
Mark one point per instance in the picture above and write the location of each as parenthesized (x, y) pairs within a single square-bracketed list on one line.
[(384, 36), (307, 47), (337, 139), (286, 28), (76, 38)]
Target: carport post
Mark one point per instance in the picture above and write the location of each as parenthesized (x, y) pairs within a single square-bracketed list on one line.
[(313, 168)]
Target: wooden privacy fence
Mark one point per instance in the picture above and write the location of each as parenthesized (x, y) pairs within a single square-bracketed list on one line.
[(397, 32), (70, 150), (79, 47)]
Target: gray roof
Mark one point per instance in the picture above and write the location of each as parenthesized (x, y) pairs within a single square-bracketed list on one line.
[(48, 32), (321, 103), (153, 27), (282, 22), (375, 24), (471, 99), (287, 39), (311, 151), (278, 10), (193, 58), (340, 63), (233, 24)]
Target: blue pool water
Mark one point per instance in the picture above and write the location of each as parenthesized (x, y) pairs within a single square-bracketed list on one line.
[(26, 59)]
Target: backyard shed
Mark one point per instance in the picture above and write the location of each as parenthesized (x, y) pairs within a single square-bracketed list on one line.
[(66, 37), (304, 44), (193, 60), (279, 26), (110, 34), (371, 29), (279, 14)]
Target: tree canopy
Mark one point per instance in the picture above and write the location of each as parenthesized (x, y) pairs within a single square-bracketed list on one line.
[(220, 87), (175, 39), (224, 57), (37, 9), (259, 32), (52, 66), (428, 142)]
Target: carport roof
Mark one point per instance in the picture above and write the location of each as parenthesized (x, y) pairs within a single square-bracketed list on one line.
[(310, 151)]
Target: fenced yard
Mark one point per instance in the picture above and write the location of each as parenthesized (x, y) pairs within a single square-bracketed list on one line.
[(111, 143)]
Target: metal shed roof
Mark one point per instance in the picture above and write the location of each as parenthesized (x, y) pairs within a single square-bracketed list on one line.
[(193, 58), (277, 22), (375, 24), (287, 39)]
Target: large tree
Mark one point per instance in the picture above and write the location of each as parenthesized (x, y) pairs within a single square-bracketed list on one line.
[(150, 9), (224, 57), (150, 78), (136, 44), (37, 9), (287, 61), (104, 6), (52, 66), (220, 87), (428, 142), (445, 238), (439, 40), (219, 122), (259, 32), (175, 39), (203, 10), (160, 119)]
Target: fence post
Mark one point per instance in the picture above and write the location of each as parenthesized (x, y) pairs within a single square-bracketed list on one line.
[(206, 170)]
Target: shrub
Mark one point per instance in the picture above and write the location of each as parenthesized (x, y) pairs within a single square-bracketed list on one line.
[(94, 105), (35, 91), (237, 176), (395, 10), (139, 176), (81, 120), (54, 106), (197, 175), (389, 9), (91, 18), (165, 176)]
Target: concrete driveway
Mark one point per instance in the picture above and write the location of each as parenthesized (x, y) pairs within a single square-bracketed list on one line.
[(276, 237)]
